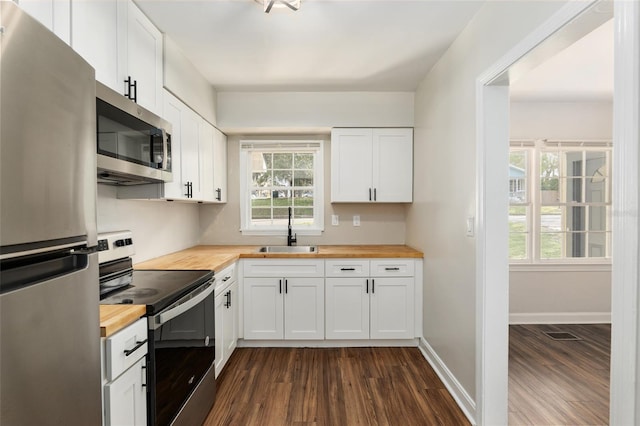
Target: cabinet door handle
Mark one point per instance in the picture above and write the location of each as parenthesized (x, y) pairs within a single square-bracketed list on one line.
[(375, 197), (286, 287), (228, 302), (280, 286), (373, 286), (135, 91), (219, 194), (392, 269), (347, 269), (367, 290), (127, 87), (369, 194), (143, 370), (128, 352)]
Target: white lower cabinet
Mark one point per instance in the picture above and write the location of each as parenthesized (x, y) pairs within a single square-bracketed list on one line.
[(226, 315), (124, 376), (283, 299), (370, 299)]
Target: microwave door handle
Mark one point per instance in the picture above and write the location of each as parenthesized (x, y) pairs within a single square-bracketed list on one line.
[(183, 307)]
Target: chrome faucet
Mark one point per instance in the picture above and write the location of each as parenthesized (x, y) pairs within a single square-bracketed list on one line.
[(291, 239)]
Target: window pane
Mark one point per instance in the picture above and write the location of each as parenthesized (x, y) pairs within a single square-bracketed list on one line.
[(303, 198), (518, 177), (279, 213), (261, 198), (261, 179), (261, 161), (303, 161), (551, 218), (573, 188), (596, 189), (576, 219), (518, 246), (597, 218), (260, 214), (598, 244), (282, 178), (283, 160), (303, 178), (550, 245), (576, 243), (304, 213), (574, 163), (281, 198)]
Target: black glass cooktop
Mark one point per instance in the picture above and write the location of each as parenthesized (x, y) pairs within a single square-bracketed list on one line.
[(157, 288)]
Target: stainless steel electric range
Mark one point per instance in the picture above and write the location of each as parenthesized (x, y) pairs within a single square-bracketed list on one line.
[(181, 339)]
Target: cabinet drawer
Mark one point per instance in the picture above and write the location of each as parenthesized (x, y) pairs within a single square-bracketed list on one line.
[(280, 268), (393, 268), (125, 348), (225, 277), (347, 268)]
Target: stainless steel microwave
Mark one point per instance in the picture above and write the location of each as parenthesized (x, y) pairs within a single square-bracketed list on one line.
[(134, 145)]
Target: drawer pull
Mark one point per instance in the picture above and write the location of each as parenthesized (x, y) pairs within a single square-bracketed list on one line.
[(128, 352), (347, 269), (392, 269), (227, 278)]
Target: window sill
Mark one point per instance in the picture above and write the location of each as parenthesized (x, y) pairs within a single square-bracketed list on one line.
[(560, 267)]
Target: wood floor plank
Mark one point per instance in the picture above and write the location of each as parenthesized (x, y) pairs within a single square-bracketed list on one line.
[(559, 382), (329, 387)]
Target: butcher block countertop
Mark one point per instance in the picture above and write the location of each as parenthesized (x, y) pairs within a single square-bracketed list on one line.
[(218, 257), (116, 317)]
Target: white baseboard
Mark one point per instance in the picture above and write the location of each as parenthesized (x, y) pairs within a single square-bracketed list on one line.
[(242, 343), (459, 394), (561, 318)]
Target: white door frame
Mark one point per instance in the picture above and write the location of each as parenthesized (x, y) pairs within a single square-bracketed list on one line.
[(492, 268)]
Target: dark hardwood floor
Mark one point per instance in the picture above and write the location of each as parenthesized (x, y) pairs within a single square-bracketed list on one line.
[(331, 386), (559, 382)]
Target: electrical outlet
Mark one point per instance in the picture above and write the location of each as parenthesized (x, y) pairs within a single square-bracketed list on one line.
[(356, 220), (335, 220)]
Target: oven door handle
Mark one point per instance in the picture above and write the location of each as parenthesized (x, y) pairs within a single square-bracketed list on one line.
[(183, 307)]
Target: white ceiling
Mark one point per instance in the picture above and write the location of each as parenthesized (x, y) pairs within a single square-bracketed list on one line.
[(328, 45), (357, 45), (582, 71)]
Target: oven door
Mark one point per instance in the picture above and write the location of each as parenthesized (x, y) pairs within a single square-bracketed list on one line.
[(182, 350)]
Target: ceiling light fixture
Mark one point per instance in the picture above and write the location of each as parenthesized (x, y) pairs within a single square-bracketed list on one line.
[(279, 4)]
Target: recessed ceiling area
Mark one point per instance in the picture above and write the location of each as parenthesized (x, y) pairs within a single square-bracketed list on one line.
[(327, 45)]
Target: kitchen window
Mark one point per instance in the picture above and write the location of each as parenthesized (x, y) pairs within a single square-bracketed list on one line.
[(559, 202), (276, 176)]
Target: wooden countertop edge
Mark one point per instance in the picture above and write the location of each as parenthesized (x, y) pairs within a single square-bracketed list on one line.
[(226, 255), (114, 318)]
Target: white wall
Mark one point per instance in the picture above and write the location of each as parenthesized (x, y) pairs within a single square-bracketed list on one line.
[(158, 227), (444, 179), (585, 120), (311, 112), (183, 80), (571, 296), (379, 223)]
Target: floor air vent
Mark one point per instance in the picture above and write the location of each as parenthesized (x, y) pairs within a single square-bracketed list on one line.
[(561, 335)]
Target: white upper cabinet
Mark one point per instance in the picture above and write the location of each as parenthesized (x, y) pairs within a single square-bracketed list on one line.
[(120, 42), (53, 14), (205, 138), (220, 166), (372, 165), (144, 59)]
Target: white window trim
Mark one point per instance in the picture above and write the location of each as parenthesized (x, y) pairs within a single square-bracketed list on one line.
[(283, 145), (533, 262)]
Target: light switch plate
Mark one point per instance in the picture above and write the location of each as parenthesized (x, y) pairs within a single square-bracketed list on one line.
[(356, 220), (470, 226), (335, 220)]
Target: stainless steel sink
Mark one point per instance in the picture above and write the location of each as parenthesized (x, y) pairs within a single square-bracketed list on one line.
[(288, 249)]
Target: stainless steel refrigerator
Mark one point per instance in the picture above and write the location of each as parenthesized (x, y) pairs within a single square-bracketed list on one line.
[(49, 302)]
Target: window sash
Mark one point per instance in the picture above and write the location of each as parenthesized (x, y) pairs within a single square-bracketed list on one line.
[(593, 235), (278, 214)]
